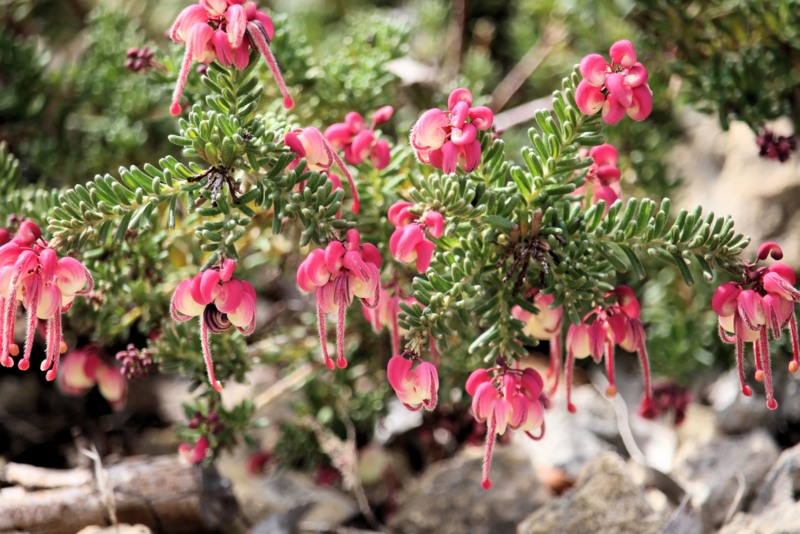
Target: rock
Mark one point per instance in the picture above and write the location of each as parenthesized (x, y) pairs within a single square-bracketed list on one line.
[(724, 472), (605, 500), (572, 440), (117, 529), (736, 413), (448, 497)]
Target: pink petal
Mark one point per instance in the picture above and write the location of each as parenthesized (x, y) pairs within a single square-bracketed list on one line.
[(613, 111), (200, 43), (481, 117), (362, 146), (636, 76), (339, 135), (449, 157), (49, 303), (431, 130), (784, 271), (313, 272), (396, 373), (476, 378), (623, 53), (459, 95), (237, 24), (589, 98), (229, 296), (434, 224), (382, 115), (186, 20), (223, 48), (594, 68), (334, 253), (619, 90), (184, 303), (469, 156), (112, 385), (724, 302), (70, 275), (381, 155), (399, 214), (464, 136), (371, 254), (642, 103), (244, 314), (425, 251)]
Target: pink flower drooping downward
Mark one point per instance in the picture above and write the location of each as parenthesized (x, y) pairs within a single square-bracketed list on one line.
[(309, 143), (337, 274), (763, 302), (31, 274), (359, 142), (506, 398), (84, 368), (224, 30), (221, 301), (446, 139), (612, 323), (602, 177), (545, 326), (409, 242), (615, 88), (416, 388)]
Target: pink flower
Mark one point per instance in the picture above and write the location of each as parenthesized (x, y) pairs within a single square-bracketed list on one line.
[(763, 303), (409, 242), (446, 139), (506, 398), (221, 301), (225, 31), (616, 322), (614, 88), (546, 326), (337, 274), (82, 369), (416, 388), (309, 143), (32, 274), (194, 454), (358, 142), (602, 177)]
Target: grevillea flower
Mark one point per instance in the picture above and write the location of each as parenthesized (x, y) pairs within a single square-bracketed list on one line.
[(82, 369), (221, 301), (602, 176), (416, 388), (409, 242), (386, 312), (612, 323), (194, 454), (224, 30), (309, 143), (359, 142), (615, 88), (763, 302), (546, 326), (446, 139), (337, 274), (32, 274), (667, 397), (506, 398), (774, 146)]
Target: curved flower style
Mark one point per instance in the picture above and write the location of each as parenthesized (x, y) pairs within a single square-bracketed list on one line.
[(32, 274), (618, 323), (416, 388), (446, 139), (409, 242), (614, 88), (602, 177), (358, 142), (337, 274), (221, 301), (546, 326), (386, 312), (309, 143), (84, 368), (506, 398), (224, 30), (764, 301)]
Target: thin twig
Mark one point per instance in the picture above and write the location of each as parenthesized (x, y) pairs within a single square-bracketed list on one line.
[(455, 40)]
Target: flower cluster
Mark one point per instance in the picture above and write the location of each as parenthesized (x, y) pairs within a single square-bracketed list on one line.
[(84, 368), (615, 88), (773, 146), (545, 326), (221, 301), (223, 30), (615, 322), (416, 388), (409, 242), (506, 398), (763, 301), (668, 396), (446, 139), (136, 363), (337, 274), (309, 143), (139, 59), (32, 274), (359, 142), (602, 176)]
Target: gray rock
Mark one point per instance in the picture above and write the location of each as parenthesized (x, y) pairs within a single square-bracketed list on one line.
[(723, 473), (736, 413), (449, 499), (605, 500), (782, 520)]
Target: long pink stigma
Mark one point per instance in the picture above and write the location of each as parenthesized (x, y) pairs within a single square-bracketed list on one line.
[(341, 361), (5, 360), (260, 39), (25, 363), (568, 378), (554, 370), (175, 107), (794, 364), (491, 429), (323, 335), (54, 345), (10, 315), (759, 375), (746, 391), (645, 361), (343, 168), (611, 390), (207, 354), (766, 365)]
